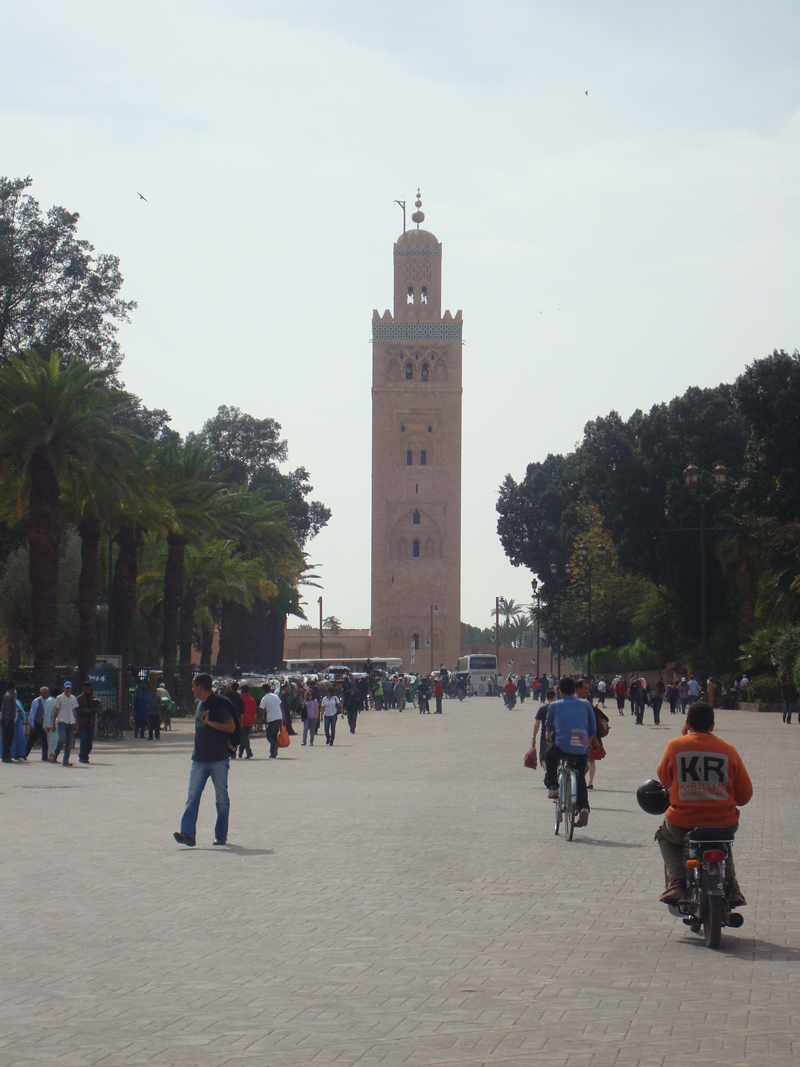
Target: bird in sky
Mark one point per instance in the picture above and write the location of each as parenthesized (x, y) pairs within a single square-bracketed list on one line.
[(585, 92), (143, 197)]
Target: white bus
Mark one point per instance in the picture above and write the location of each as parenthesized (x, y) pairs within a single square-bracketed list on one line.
[(482, 671)]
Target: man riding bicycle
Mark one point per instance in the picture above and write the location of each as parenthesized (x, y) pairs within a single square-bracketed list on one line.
[(571, 723), (706, 779)]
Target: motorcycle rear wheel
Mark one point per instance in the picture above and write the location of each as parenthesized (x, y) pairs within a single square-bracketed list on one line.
[(712, 922)]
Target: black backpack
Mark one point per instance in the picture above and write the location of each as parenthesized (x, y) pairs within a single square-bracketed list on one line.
[(233, 740)]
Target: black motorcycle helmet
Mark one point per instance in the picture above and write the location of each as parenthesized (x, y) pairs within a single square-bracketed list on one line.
[(653, 797)]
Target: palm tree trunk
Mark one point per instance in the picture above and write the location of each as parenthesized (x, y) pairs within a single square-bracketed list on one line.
[(153, 644), (44, 541), (207, 648), (275, 632), (123, 593), (173, 587), (187, 629), (228, 634), (89, 530)]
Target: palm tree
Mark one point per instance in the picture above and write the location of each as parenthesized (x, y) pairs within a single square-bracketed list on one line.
[(185, 476), (510, 611), (55, 421)]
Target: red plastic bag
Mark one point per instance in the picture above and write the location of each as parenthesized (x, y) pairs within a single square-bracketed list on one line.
[(530, 760), (283, 737)]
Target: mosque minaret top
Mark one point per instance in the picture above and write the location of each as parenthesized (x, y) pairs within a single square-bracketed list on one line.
[(419, 214)]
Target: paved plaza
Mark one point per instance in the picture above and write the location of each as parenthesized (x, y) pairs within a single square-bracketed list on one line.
[(399, 899)]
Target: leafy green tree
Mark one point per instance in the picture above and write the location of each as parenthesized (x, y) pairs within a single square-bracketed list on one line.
[(55, 293)]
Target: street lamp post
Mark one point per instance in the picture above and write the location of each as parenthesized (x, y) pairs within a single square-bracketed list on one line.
[(498, 600), (537, 592), (692, 477), (554, 572), (319, 601)]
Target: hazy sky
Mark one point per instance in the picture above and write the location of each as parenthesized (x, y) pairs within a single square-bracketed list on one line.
[(607, 250)]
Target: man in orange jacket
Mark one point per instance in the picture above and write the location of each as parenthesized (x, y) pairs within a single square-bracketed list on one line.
[(706, 779)]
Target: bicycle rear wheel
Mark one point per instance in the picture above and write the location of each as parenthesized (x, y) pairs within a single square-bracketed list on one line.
[(558, 806), (569, 809)]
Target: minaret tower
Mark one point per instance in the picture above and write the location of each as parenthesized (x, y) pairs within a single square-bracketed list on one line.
[(416, 463)]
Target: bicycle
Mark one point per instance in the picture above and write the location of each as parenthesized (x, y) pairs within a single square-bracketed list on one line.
[(567, 800)]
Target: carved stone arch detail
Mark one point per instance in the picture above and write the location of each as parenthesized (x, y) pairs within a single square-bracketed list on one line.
[(440, 371), (393, 372)]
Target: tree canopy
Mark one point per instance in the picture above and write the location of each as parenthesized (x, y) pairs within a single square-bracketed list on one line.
[(623, 488), (56, 294)]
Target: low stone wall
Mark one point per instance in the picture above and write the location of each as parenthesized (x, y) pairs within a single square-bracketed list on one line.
[(745, 706)]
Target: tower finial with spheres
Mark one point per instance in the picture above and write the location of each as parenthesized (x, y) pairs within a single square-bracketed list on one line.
[(419, 215)]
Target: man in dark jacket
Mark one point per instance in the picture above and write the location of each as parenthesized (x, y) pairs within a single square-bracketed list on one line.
[(85, 717)]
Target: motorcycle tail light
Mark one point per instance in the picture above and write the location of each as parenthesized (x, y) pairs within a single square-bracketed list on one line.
[(714, 855), (693, 863)]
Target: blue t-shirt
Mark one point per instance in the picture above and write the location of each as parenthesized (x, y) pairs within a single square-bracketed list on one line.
[(573, 721)]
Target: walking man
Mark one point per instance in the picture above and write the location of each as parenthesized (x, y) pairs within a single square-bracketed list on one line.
[(9, 718), (66, 705), (248, 718), (213, 722), (273, 713), (400, 693), (154, 713), (438, 692), (36, 723), (85, 714)]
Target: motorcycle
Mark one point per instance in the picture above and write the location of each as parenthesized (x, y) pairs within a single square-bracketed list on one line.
[(707, 855), (510, 700)]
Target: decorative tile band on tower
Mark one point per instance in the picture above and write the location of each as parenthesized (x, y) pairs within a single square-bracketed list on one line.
[(416, 331)]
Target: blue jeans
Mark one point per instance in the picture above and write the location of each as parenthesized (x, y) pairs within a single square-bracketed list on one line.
[(198, 776), (788, 708), (66, 736)]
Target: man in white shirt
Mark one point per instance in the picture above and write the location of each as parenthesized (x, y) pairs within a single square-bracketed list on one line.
[(66, 704), (601, 691), (273, 715), (694, 688)]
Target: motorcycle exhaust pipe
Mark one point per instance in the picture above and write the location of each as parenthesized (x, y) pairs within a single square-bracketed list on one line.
[(735, 920)]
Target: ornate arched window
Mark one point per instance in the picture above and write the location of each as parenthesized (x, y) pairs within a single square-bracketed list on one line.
[(415, 548), (430, 548), (424, 295), (423, 458), (410, 295), (415, 519), (415, 641), (425, 372), (409, 458), (409, 371)]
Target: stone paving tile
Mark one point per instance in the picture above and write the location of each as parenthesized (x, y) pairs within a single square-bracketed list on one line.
[(397, 900)]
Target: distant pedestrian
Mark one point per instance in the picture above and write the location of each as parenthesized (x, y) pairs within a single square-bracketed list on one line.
[(672, 697), (210, 759), (522, 689), (711, 693), (330, 712), (36, 730), (656, 702), (438, 692), (141, 711), (788, 697), (352, 706), (311, 717), (620, 692), (247, 720), (8, 717), (602, 686), (400, 694), (683, 694), (153, 713), (85, 718), (66, 705), (694, 688), (273, 716)]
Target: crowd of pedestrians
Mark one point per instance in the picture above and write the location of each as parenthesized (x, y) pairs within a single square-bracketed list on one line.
[(52, 721)]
